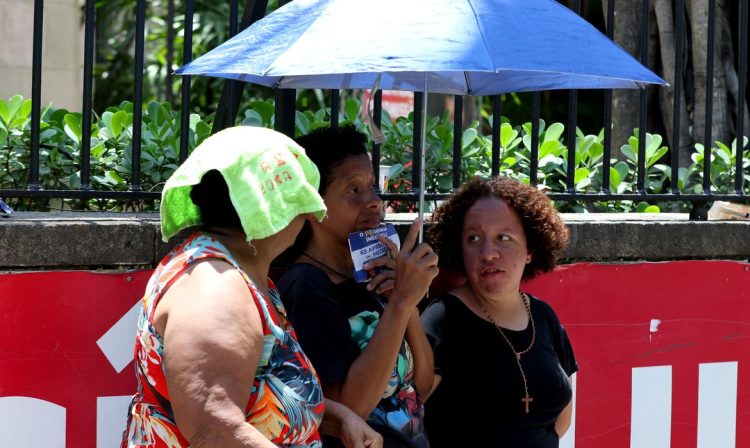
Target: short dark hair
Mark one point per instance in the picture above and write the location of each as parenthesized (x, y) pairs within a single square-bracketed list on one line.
[(211, 196), (328, 147), (546, 234)]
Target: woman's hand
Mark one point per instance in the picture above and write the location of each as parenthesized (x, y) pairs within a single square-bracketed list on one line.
[(409, 272), (342, 422)]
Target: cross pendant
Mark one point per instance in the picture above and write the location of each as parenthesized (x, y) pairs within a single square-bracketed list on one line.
[(527, 399)]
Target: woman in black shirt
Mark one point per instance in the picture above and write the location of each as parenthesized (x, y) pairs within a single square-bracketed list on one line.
[(502, 360)]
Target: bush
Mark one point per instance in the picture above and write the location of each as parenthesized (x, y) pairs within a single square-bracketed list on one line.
[(111, 155)]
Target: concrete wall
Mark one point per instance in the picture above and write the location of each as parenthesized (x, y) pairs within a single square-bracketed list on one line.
[(67, 240), (62, 51)]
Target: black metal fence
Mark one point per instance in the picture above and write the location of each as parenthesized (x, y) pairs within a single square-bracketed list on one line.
[(285, 104)]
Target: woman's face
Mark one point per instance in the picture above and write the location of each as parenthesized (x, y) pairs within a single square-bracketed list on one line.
[(494, 248), (350, 198)]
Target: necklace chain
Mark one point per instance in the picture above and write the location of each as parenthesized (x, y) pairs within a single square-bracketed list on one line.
[(326, 266), (527, 304)]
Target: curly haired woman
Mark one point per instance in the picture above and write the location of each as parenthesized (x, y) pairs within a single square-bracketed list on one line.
[(502, 359)]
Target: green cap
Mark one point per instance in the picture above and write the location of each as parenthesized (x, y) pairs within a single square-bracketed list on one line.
[(270, 178)]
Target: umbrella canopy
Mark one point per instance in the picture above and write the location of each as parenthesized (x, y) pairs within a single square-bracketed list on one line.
[(474, 47)]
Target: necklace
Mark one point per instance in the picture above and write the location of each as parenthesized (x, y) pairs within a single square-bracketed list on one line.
[(527, 304), (339, 273)]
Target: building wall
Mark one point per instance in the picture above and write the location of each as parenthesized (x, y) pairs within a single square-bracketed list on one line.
[(62, 51)]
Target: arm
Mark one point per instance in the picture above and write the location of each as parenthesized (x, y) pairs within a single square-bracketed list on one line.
[(562, 424), (340, 421), (368, 376), (424, 364), (212, 343)]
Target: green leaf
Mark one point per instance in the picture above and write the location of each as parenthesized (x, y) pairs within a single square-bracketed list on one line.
[(73, 127), (252, 118), (629, 153), (645, 207), (302, 123), (580, 175), (468, 137), (614, 179), (507, 135), (265, 109), (4, 115), (118, 122), (14, 103), (351, 109), (554, 131), (3, 135)]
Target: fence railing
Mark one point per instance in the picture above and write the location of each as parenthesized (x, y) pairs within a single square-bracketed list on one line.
[(285, 115)]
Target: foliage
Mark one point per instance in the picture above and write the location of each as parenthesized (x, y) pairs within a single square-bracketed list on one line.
[(110, 153), (111, 156)]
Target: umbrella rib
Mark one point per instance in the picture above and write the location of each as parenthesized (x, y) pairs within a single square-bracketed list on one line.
[(468, 83)]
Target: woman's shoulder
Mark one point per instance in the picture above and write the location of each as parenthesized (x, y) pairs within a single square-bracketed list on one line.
[(542, 308), (303, 273), (442, 306)]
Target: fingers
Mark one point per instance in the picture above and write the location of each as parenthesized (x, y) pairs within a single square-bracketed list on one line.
[(411, 237), (382, 262)]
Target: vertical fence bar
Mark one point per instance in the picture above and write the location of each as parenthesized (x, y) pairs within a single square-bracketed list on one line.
[(286, 104), (416, 167), (572, 123), (742, 75), (496, 122), (679, 38), (140, 25), (606, 163), (169, 81), (88, 69), (377, 118), (458, 124), (187, 56), (225, 115), (336, 106), (36, 94), (536, 100), (232, 84), (709, 97), (641, 181)]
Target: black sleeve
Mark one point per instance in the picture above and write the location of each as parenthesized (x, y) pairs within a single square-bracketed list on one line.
[(433, 322), (562, 343), (322, 328)]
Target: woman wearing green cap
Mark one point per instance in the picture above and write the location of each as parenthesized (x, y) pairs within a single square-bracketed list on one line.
[(217, 362)]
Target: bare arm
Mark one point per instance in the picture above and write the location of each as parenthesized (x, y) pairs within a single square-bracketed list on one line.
[(562, 424), (368, 376), (212, 343), (424, 363), (340, 421)]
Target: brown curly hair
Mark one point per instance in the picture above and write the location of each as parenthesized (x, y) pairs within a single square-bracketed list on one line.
[(546, 234)]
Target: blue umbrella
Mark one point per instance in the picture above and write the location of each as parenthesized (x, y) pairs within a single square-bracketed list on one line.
[(463, 47)]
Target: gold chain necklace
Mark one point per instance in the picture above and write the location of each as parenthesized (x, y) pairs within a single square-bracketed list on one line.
[(527, 304)]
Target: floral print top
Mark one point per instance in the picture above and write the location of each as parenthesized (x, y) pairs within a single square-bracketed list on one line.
[(286, 401)]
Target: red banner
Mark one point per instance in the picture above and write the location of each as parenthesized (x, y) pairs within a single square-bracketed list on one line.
[(663, 351)]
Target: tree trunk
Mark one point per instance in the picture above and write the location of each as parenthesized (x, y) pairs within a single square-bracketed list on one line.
[(698, 14), (664, 15), (627, 33)]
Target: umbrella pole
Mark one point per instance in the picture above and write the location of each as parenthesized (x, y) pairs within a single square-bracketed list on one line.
[(423, 150)]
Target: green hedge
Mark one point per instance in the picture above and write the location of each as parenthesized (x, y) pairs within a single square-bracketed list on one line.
[(111, 137)]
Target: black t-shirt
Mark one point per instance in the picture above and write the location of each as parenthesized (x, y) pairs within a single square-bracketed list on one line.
[(334, 323), (478, 401)]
